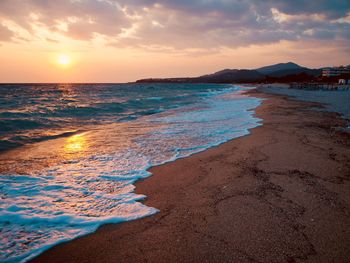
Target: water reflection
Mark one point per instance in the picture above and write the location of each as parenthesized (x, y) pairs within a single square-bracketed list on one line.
[(76, 144)]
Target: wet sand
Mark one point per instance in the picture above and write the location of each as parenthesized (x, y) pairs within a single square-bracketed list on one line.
[(281, 194)]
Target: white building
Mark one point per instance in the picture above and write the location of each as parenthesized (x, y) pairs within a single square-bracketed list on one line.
[(335, 71), (344, 81)]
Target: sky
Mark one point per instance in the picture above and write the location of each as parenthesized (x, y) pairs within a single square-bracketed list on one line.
[(125, 40)]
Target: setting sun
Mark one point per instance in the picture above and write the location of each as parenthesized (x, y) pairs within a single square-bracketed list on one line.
[(64, 60)]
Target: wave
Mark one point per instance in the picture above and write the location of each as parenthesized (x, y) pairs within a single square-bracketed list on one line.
[(17, 141), (10, 125), (36, 109), (83, 191)]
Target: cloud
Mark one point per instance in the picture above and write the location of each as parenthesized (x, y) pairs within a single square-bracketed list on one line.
[(181, 24), (5, 33), (78, 19), (332, 9)]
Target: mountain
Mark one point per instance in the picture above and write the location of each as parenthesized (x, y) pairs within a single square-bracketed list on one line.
[(222, 72), (223, 76), (286, 69), (278, 67), (231, 75), (278, 72), (286, 72)]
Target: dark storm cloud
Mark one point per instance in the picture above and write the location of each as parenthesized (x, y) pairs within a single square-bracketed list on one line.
[(180, 24)]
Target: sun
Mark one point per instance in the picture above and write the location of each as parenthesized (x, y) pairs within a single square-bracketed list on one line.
[(64, 60)]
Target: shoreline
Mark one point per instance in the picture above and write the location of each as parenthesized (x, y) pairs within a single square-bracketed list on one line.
[(219, 205)]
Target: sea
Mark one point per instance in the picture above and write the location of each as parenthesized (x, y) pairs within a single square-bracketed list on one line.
[(70, 154)]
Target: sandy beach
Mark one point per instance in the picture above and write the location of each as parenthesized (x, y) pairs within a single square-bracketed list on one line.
[(280, 194)]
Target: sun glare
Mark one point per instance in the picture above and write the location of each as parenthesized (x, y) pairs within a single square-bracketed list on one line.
[(63, 60)]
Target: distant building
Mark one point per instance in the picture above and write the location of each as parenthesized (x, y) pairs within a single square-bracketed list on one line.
[(344, 81), (335, 71)]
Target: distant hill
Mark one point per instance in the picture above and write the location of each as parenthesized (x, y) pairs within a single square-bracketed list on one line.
[(286, 72), (278, 72), (229, 75), (278, 67), (285, 69), (223, 76)]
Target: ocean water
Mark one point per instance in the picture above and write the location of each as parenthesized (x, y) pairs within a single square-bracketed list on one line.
[(71, 153)]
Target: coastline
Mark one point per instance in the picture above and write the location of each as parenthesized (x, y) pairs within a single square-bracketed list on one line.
[(271, 196)]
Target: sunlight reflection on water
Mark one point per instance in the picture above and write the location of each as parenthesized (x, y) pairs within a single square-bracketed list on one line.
[(76, 143)]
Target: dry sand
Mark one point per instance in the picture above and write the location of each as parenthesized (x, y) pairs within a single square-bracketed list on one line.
[(281, 194)]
